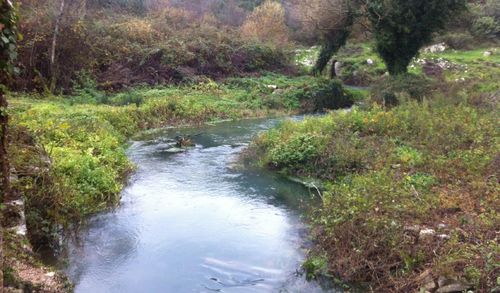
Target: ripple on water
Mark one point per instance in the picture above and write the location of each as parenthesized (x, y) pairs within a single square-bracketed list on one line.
[(190, 223)]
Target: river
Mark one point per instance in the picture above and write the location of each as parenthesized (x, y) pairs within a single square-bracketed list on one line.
[(194, 222)]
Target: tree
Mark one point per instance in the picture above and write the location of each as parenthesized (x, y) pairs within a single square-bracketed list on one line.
[(402, 27), (331, 21), (71, 9), (266, 24), (8, 53)]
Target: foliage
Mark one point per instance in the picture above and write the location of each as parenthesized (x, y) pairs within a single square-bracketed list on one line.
[(266, 24), (486, 20), (85, 134), (168, 45), (393, 89), (428, 163), (8, 38), (388, 170), (457, 41), (401, 28), (335, 20), (487, 27)]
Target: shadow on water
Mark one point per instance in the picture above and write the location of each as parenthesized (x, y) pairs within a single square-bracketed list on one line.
[(191, 222)]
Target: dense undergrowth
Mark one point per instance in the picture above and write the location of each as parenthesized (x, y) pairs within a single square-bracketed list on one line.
[(411, 191), (84, 136), (120, 49)]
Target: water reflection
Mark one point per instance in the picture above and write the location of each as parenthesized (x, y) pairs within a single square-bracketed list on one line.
[(189, 222)]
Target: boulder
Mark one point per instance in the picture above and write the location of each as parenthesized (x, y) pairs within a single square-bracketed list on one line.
[(437, 48), (338, 68), (427, 233)]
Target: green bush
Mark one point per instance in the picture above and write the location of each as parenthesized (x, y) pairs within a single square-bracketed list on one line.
[(166, 46), (295, 151), (386, 170), (394, 89), (486, 27), (321, 95), (457, 41)]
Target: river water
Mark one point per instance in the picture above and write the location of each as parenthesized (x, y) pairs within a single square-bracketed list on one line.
[(193, 222)]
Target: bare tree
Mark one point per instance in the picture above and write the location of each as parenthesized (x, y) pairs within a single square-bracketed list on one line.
[(54, 45), (68, 11), (332, 21)]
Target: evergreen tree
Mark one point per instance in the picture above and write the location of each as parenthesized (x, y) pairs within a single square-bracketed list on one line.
[(402, 27)]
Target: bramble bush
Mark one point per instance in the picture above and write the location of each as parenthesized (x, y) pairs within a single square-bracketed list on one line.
[(420, 163), (169, 45)]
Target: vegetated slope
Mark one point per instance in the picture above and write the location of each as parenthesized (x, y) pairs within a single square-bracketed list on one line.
[(84, 136), (120, 49), (411, 192)]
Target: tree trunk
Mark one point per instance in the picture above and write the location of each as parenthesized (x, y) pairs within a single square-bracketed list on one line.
[(1, 259), (4, 161), (57, 25), (4, 121)]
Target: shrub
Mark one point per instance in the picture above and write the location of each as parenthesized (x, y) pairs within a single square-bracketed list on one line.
[(402, 27), (295, 151), (457, 41), (486, 27), (166, 46), (322, 95), (415, 165), (392, 90), (266, 24)]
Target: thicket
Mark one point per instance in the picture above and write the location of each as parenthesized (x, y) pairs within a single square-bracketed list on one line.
[(389, 171), (121, 49), (411, 191)]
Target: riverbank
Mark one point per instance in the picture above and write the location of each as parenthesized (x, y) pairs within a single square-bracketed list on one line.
[(68, 153), (411, 191)]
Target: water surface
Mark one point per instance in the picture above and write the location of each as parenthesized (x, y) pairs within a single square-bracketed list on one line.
[(192, 222)]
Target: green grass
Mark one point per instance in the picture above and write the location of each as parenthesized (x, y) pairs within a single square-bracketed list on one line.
[(385, 169), (85, 135)]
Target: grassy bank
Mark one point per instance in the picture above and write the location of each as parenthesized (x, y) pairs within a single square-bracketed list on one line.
[(411, 192), (84, 136)]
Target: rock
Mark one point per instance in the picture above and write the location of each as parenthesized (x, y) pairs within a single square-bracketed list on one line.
[(487, 54), (183, 141), (175, 150), (414, 228), (427, 280), (338, 68), (454, 287), (441, 47), (13, 177), (442, 281), (369, 61), (441, 226), (427, 233), (21, 230), (432, 69), (12, 215), (430, 285), (444, 237)]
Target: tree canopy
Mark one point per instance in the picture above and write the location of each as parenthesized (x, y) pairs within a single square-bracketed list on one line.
[(401, 27)]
